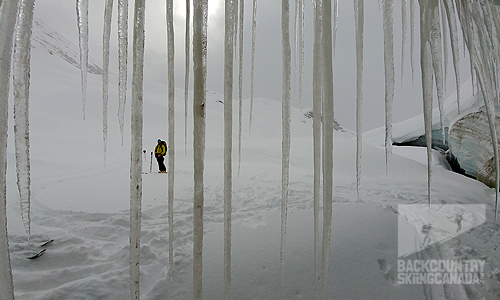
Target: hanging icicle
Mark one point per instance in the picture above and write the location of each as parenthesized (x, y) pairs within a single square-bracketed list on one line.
[(8, 14), (413, 13), (200, 13), (136, 147), (82, 10), (404, 35), (171, 133), (452, 26), (335, 23), (122, 61), (106, 36), (300, 46), (187, 71), (317, 106), (359, 12), (427, 9), (240, 80), (437, 62), (388, 13), (252, 72), (285, 115), (21, 85), (328, 121), (481, 46), (445, 40), (228, 142)]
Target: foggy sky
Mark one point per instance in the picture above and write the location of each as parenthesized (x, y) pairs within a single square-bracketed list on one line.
[(61, 16)]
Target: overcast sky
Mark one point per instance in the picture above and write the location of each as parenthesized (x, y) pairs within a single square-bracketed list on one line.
[(61, 16)]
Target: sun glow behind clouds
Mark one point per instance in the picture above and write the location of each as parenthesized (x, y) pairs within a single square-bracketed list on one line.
[(214, 7)]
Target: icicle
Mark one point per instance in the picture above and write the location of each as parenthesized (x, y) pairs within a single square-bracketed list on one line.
[(122, 61), (359, 11), (21, 84), (108, 12), (199, 72), (317, 84), (285, 115), (236, 25), (171, 133), (481, 48), (186, 70), (437, 64), (240, 80), (8, 11), (252, 72), (228, 142), (427, 8), (336, 23), (404, 34), (82, 10), (136, 147), (413, 13), (452, 26), (388, 14), (327, 141), (444, 34), (300, 49)]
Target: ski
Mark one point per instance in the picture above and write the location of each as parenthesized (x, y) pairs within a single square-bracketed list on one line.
[(37, 254), (46, 243)]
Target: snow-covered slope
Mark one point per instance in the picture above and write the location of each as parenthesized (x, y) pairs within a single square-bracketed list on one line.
[(55, 44), (83, 206)]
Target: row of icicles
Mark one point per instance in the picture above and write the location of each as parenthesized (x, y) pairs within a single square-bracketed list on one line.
[(438, 22)]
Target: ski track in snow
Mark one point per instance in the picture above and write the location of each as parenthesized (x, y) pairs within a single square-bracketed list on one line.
[(89, 255)]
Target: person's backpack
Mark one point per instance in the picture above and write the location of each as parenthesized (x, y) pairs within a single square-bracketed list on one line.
[(165, 144)]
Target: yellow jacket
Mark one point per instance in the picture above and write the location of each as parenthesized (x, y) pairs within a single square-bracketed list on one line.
[(160, 150)]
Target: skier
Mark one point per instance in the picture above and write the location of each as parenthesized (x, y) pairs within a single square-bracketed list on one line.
[(160, 151)]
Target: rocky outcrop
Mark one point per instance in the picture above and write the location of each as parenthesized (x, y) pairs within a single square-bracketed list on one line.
[(470, 142)]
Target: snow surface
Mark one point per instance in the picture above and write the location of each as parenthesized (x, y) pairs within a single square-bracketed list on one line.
[(83, 206)]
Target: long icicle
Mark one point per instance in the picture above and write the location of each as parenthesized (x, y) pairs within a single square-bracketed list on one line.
[(8, 13), (240, 79), (21, 84), (437, 64), (171, 133), (413, 12), (187, 45), (300, 36), (328, 121), (106, 36), (480, 48), (404, 35), (285, 115), (122, 61), (317, 86), (359, 12), (199, 101), (388, 13), (335, 23), (445, 40), (252, 72), (426, 14), (452, 26), (82, 10), (136, 147), (228, 141)]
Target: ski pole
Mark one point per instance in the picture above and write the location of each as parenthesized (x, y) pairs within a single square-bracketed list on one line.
[(151, 164)]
